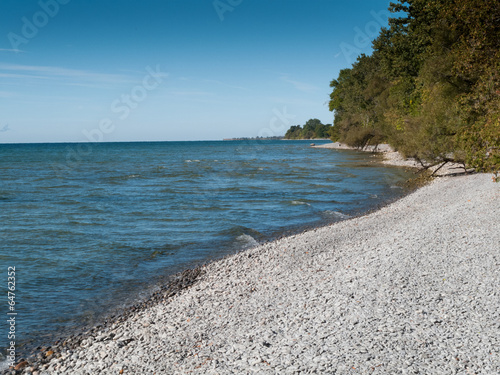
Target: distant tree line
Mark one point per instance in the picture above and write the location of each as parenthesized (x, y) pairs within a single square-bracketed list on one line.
[(313, 128), (431, 88)]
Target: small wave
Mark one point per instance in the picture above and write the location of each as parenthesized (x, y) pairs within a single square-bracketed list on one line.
[(300, 202), (239, 230), (232, 188), (374, 196), (191, 161), (396, 187), (160, 253), (83, 223), (336, 214), (119, 179), (247, 241), (4, 365)]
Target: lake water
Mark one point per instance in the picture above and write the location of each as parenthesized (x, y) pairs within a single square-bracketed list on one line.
[(90, 227)]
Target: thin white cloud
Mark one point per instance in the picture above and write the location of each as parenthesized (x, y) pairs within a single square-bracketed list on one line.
[(301, 86), (15, 75), (191, 93), (65, 75), (10, 50)]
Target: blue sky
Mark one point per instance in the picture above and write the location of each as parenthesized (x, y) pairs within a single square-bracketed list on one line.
[(103, 70)]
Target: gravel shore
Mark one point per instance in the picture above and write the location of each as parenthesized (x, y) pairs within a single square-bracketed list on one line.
[(394, 158), (412, 288)]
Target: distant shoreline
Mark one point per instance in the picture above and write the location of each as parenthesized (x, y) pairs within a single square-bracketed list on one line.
[(391, 157), (253, 139), (394, 158), (273, 139)]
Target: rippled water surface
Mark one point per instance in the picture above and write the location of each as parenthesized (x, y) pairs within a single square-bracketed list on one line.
[(88, 227)]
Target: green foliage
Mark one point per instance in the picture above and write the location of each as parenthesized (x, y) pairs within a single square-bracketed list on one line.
[(356, 99), (334, 133), (313, 128), (432, 86)]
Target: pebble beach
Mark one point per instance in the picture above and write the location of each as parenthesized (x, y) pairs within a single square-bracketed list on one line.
[(409, 289), (394, 158)]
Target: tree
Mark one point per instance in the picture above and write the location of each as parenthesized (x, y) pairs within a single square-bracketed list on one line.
[(313, 128), (356, 100), (294, 132), (431, 88)]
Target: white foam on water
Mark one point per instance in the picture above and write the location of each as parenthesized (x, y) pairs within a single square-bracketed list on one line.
[(4, 365), (336, 214), (300, 202), (247, 241)]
